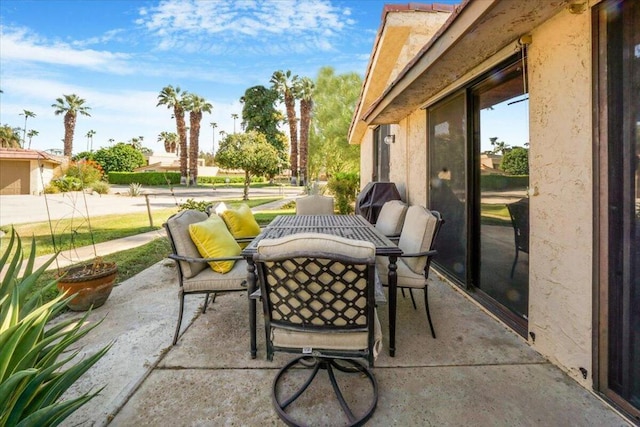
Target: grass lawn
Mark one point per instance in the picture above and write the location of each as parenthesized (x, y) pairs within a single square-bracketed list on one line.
[(70, 233), (130, 262)]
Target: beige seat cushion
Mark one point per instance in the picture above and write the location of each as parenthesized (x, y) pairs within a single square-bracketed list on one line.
[(406, 277), (314, 205), (328, 340), (391, 218), (209, 280), (315, 242), (179, 227), (417, 235)]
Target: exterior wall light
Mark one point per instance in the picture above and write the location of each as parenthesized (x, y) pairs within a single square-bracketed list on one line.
[(390, 139)]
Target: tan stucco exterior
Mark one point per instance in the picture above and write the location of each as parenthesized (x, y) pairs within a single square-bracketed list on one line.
[(561, 181)]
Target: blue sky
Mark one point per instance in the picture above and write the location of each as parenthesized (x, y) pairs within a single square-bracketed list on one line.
[(118, 55)]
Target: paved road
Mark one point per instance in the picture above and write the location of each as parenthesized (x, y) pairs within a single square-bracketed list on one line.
[(26, 208)]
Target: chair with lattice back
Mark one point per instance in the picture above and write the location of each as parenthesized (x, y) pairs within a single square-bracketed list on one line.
[(318, 301)]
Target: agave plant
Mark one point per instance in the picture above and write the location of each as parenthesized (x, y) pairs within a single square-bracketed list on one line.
[(33, 374)]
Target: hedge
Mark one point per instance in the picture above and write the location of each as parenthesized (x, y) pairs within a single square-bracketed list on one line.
[(144, 178), (223, 179), (160, 178), (503, 182)]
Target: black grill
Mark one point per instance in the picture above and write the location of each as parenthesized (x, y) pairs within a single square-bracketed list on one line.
[(373, 196)]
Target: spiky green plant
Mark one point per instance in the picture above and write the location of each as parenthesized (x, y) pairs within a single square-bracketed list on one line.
[(32, 375)]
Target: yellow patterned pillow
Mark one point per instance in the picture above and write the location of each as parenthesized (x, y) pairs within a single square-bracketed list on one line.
[(213, 240), (241, 222)]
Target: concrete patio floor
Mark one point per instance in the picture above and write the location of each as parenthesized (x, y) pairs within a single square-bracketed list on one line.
[(477, 372)]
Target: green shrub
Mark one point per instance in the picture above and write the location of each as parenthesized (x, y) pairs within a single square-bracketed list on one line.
[(135, 189), (87, 172), (144, 178), (193, 204), (67, 183), (344, 186), (503, 182), (34, 373), (51, 189), (223, 179), (100, 187), (516, 161), (119, 158)]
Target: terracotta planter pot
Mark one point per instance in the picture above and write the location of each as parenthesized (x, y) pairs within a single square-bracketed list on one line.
[(92, 284)]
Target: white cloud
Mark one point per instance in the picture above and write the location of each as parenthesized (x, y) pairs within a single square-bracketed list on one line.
[(276, 27), (19, 45)]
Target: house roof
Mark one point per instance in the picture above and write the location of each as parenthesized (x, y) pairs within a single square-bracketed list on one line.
[(475, 32), (404, 29), (21, 154)]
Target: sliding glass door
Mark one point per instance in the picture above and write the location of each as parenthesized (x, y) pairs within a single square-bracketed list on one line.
[(617, 36), (478, 179), (501, 137)]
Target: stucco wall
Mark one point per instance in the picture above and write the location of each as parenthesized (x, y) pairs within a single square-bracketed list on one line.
[(561, 239)]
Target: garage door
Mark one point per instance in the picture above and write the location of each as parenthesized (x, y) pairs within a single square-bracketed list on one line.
[(14, 177)]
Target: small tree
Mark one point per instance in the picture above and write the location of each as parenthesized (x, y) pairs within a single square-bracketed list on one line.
[(119, 158), (345, 187), (516, 161), (250, 152)]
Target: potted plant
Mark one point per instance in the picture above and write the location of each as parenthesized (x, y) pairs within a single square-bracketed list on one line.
[(90, 283)]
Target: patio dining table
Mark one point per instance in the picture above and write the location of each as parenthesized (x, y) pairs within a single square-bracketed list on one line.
[(353, 227)]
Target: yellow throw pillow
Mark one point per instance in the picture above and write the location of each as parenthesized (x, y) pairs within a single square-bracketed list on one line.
[(241, 222), (213, 240)]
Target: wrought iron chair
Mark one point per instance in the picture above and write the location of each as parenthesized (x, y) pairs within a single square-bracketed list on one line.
[(391, 219), (194, 274), (314, 205), (519, 213), (417, 240), (318, 300)]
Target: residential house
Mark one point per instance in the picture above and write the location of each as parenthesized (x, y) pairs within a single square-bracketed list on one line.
[(26, 171), (557, 257)]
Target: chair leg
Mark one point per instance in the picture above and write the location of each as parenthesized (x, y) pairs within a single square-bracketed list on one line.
[(206, 301), (281, 402), (412, 299), (426, 305), (403, 295), (515, 261), (175, 335)]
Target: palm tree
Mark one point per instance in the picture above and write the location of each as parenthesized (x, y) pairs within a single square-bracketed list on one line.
[(174, 98), (234, 116), (213, 125), (70, 106), (284, 84), (196, 105), (304, 89), (89, 136), (31, 134), (26, 114), (170, 140), (9, 137)]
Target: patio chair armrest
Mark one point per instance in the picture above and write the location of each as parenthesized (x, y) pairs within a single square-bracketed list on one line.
[(190, 259), (432, 252), (257, 294), (245, 239), (395, 238)]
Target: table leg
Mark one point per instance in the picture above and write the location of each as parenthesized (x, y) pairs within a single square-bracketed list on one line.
[(393, 285), (251, 285)]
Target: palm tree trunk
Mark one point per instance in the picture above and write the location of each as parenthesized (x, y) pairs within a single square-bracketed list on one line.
[(69, 128), (289, 103), (305, 119), (182, 136), (194, 136)]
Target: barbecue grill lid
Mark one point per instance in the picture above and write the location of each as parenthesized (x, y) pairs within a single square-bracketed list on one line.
[(375, 194)]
